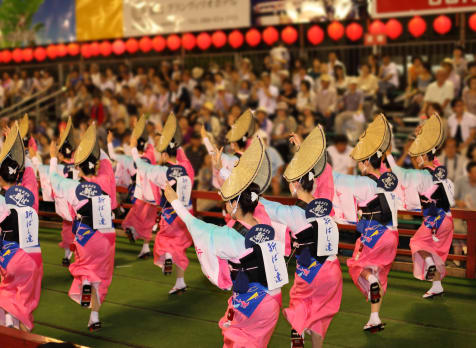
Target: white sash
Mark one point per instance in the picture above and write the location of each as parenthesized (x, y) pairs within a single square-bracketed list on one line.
[(274, 265), (327, 236), (27, 226), (184, 190), (102, 215)]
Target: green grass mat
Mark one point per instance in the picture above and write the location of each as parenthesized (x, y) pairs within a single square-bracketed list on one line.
[(139, 313)]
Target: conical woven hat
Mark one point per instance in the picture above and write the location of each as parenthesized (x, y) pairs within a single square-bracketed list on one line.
[(87, 146), (374, 138), (139, 129), (24, 126), (244, 126), (430, 137), (67, 134), (13, 147), (309, 156), (171, 131), (253, 166)]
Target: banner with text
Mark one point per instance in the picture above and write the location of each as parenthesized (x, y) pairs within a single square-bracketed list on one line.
[(386, 8)]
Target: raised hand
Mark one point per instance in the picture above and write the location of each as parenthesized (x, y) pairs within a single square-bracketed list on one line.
[(295, 139), (170, 194), (216, 158), (53, 149), (110, 137), (133, 141)]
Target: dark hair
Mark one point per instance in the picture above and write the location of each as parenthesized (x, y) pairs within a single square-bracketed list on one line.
[(470, 78), (241, 143), (470, 150), (415, 58), (437, 108), (456, 100), (431, 156), (471, 64), (340, 138), (459, 47), (85, 165), (141, 143), (245, 202), (375, 161), (172, 152), (8, 165), (470, 166), (66, 150), (306, 183), (307, 84)]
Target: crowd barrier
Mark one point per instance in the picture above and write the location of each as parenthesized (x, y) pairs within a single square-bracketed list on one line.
[(468, 215)]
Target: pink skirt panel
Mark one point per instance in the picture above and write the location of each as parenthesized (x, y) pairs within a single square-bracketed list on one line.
[(255, 331), (67, 236), (378, 259), (93, 262), (142, 218), (20, 287), (423, 240), (173, 239), (312, 306)]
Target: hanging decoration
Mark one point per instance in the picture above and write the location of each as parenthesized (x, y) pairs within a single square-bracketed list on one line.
[(315, 35)]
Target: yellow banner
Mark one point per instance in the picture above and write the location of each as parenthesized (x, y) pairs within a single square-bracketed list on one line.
[(99, 19)]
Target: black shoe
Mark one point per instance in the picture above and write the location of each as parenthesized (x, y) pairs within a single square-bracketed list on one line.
[(168, 265), (430, 273), (130, 235), (374, 328), (176, 291), (86, 295), (94, 326), (297, 341), (66, 262), (374, 293)]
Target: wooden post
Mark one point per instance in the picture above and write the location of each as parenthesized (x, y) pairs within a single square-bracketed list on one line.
[(471, 244)]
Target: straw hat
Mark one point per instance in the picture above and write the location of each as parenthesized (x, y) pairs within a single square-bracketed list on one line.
[(197, 72), (311, 155), (67, 135), (325, 77), (13, 147), (375, 138), (209, 106), (430, 137), (171, 134), (87, 146), (243, 128), (139, 129), (253, 167), (24, 126)]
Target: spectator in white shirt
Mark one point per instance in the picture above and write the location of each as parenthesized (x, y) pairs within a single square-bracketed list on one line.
[(264, 122), (267, 94), (452, 160), (461, 124), (339, 155), (305, 96), (389, 81), (453, 76), (441, 92)]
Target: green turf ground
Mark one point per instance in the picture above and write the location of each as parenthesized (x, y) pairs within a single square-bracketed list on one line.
[(138, 312)]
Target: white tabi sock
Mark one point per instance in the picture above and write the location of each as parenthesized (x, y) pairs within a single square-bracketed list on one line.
[(436, 287), (94, 317), (374, 318), (86, 282), (67, 253), (372, 279), (145, 248), (8, 320), (168, 256), (429, 262), (180, 283)]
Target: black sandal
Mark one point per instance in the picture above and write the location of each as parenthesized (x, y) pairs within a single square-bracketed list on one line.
[(66, 262), (176, 291), (130, 235), (95, 326), (374, 328), (297, 341)]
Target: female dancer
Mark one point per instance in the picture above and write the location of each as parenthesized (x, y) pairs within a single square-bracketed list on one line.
[(317, 291), (376, 248), (141, 218), (91, 200), (432, 241), (172, 239), (258, 268), (21, 265)]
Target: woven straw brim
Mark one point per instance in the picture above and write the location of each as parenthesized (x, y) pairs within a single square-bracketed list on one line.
[(244, 125), (431, 136), (310, 153), (139, 129), (87, 146), (169, 132), (247, 170), (374, 138), (13, 147), (67, 134), (23, 126)]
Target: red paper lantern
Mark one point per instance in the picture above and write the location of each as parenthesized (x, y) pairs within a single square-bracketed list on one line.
[(289, 35), (17, 55), (6, 56), (51, 51), (188, 41), (132, 45), (377, 27), (235, 38), (393, 28), (27, 54), (94, 48), (40, 54), (86, 50), (417, 26), (219, 39), (270, 35), (204, 41), (472, 22), (442, 24), (354, 31), (105, 48), (315, 35), (145, 44), (118, 47), (173, 42), (158, 43), (335, 30), (73, 49), (253, 37), (61, 50)]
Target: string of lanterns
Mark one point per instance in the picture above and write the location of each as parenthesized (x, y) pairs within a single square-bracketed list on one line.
[(253, 37)]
